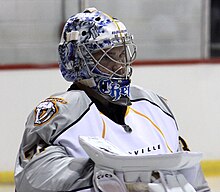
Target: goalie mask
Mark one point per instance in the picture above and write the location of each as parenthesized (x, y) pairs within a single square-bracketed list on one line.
[(97, 51)]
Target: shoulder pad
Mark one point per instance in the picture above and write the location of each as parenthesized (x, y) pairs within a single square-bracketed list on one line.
[(62, 103), (137, 94)]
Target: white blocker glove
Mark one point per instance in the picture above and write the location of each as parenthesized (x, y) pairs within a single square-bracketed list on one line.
[(116, 171)]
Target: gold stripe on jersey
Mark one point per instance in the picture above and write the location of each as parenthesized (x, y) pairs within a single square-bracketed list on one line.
[(158, 129), (104, 129)]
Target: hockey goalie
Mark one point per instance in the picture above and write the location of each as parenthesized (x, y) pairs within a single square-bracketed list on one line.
[(103, 134)]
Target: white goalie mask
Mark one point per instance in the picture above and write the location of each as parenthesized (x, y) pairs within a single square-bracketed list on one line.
[(97, 51)]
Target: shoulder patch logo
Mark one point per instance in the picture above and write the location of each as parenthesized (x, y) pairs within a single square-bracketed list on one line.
[(46, 110)]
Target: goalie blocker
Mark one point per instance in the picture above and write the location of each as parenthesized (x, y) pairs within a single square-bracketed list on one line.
[(120, 172)]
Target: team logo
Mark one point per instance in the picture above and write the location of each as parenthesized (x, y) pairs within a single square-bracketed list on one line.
[(113, 88), (46, 110)]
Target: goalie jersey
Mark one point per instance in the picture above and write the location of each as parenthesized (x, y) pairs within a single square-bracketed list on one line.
[(51, 159)]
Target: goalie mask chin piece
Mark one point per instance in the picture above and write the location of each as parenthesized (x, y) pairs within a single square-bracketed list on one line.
[(90, 33), (115, 91)]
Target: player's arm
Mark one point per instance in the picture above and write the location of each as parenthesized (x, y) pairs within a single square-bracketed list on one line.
[(41, 165), (54, 170)]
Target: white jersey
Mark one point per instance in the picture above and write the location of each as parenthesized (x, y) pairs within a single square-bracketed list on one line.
[(50, 146), (153, 130)]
